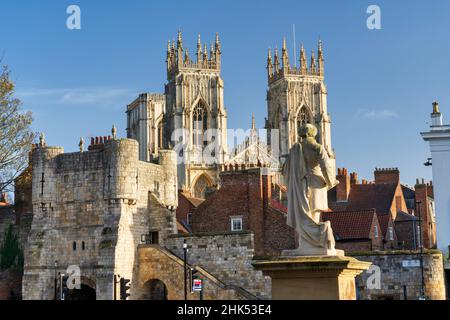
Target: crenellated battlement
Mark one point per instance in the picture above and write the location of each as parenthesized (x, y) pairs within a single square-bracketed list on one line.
[(178, 56), (280, 67)]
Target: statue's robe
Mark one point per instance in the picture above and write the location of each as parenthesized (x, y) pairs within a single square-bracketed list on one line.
[(308, 175)]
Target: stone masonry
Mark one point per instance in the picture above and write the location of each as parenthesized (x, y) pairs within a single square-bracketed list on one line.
[(227, 256), (91, 208), (399, 276)]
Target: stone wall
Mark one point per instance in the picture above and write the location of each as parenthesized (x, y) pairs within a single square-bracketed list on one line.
[(396, 278), (159, 265), (227, 256), (90, 209)]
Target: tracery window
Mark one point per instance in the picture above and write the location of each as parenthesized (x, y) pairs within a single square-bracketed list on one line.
[(199, 125), (302, 119)]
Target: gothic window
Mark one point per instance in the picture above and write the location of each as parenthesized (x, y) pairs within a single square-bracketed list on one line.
[(159, 134), (200, 187), (199, 125), (302, 119)]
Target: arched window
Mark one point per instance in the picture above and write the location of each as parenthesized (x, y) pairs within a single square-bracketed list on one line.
[(302, 119), (199, 125), (200, 187), (159, 135), (74, 246)]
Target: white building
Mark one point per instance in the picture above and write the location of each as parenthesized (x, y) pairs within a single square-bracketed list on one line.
[(439, 140)]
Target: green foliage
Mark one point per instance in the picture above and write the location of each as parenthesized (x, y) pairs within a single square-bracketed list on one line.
[(16, 136), (11, 256)]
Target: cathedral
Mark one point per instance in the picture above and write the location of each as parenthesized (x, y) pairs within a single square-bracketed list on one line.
[(191, 117)]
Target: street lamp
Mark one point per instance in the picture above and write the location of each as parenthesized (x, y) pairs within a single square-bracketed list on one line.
[(422, 288), (185, 249), (56, 279)]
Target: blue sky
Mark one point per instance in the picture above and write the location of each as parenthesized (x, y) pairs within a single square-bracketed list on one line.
[(381, 83)]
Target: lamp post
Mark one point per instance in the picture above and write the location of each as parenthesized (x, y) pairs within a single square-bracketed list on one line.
[(422, 287), (56, 280), (185, 267)]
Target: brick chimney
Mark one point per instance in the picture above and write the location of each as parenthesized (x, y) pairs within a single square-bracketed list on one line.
[(387, 175), (430, 189), (421, 195), (354, 178), (343, 188)]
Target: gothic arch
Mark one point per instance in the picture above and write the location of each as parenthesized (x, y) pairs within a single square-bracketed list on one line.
[(201, 183), (159, 133), (154, 289), (199, 123), (302, 117)]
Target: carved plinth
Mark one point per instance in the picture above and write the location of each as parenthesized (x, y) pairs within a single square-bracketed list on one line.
[(313, 277)]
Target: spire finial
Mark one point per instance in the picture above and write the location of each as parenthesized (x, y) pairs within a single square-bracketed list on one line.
[(114, 131), (81, 144), (312, 66), (186, 55), (42, 139), (253, 121), (180, 39), (303, 65)]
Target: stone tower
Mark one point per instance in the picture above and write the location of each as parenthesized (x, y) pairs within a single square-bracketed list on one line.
[(296, 95), (195, 122), (91, 209)]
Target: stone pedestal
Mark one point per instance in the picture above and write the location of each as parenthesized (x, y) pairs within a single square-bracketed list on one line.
[(312, 277)]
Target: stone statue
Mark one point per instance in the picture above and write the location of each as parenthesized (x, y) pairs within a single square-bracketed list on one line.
[(42, 140), (308, 174), (81, 144), (114, 131)]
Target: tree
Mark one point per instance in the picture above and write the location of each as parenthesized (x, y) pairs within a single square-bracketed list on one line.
[(11, 255), (16, 137)]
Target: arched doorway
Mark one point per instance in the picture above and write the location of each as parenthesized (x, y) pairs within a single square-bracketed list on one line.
[(84, 293), (154, 289)]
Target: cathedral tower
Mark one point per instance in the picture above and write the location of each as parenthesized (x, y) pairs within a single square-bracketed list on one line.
[(196, 121), (296, 95)]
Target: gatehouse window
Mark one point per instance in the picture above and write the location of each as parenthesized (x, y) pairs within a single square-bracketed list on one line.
[(74, 246), (159, 137)]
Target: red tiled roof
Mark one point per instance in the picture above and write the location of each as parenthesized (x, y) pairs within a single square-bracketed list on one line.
[(371, 196), (350, 224), (194, 201), (181, 228)]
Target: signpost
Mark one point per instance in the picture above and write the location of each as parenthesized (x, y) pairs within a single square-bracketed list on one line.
[(197, 285), (411, 263)]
